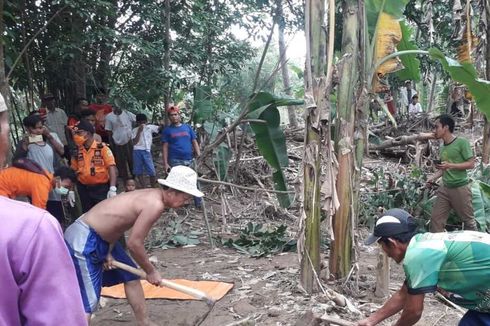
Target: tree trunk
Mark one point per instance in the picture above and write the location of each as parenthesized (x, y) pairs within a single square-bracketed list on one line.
[(341, 245), (432, 93), (382, 275), (486, 132), (166, 61), (293, 122), (315, 69)]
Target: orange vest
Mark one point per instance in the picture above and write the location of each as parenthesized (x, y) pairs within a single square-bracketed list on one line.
[(92, 165)]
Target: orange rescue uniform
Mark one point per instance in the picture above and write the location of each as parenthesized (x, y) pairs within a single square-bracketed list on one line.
[(92, 165), (18, 182)]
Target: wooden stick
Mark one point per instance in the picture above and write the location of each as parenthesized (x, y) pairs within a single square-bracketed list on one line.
[(178, 287)]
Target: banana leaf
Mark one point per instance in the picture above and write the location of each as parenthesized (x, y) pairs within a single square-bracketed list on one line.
[(409, 61), (374, 8), (481, 204), (221, 160), (203, 108), (466, 73), (270, 138)]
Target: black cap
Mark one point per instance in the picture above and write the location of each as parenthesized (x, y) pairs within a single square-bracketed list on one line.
[(85, 125), (393, 222)]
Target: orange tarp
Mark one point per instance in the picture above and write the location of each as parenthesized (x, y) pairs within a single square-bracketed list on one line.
[(214, 289)]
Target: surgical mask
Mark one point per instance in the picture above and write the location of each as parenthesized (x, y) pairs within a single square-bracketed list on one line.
[(79, 140), (62, 191)]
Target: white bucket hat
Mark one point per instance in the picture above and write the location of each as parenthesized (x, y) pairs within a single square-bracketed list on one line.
[(182, 178)]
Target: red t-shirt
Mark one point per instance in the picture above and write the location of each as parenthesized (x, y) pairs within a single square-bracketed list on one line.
[(101, 110)]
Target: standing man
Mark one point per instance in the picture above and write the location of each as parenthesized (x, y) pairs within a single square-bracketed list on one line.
[(119, 126), (37, 278), (56, 118), (406, 94), (95, 167), (456, 157), (92, 239), (102, 109), (455, 264), (142, 160), (179, 141)]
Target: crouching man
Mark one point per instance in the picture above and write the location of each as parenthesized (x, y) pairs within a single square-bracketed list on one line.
[(456, 264), (92, 239)]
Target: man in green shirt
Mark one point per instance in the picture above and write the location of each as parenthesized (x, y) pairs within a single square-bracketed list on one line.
[(456, 157), (455, 264)]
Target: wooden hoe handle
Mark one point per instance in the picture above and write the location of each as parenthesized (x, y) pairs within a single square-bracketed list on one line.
[(178, 287)]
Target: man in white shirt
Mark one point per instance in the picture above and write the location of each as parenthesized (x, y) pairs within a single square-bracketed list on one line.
[(414, 107), (142, 160), (119, 125), (56, 118)]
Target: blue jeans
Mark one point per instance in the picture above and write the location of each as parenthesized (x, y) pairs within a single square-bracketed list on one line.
[(190, 163), (475, 318), (142, 161)]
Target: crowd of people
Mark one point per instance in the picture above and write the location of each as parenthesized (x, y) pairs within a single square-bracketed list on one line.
[(39, 261), (62, 158)]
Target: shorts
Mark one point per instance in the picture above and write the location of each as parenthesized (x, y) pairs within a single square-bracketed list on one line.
[(473, 318), (142, 161), (89, 251)]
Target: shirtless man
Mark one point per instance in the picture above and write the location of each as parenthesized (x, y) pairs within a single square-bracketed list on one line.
[(93, 244)]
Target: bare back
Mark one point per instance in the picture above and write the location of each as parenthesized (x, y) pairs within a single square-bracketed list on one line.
[(111, 217)]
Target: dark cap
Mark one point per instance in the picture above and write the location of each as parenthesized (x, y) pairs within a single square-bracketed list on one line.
[(85, 125), (393, 222), (48, 96)]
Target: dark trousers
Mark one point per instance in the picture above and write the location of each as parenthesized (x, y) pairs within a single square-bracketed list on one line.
[(55, 208), (91, 195), (474, 318), (124, 159)]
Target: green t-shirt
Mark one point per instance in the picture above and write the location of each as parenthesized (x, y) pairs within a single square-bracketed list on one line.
[(458, 151), (457, 262)]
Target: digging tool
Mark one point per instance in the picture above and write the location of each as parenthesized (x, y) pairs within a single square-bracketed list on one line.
[(178, 287)]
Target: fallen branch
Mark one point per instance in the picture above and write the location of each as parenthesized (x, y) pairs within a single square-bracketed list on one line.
[(243, 187), (336, 321), (402, 140)]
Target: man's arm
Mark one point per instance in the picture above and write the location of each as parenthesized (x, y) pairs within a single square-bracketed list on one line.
[(412, 310), (165, 156), (112, 176), (136, 138), (136, 240), (468, 165), (433, 178), (391, 307), (197, 150)]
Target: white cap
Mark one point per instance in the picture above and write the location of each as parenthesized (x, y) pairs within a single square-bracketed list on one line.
[(182, 178), (3, 106)]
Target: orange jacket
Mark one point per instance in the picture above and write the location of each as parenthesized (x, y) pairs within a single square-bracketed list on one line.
[(18, 182), (92, 165)]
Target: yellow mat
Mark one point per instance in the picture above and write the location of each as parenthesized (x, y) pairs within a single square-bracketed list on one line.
[(214, 289)]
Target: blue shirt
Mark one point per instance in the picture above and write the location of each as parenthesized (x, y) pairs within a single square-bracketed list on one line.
[(179, 141)]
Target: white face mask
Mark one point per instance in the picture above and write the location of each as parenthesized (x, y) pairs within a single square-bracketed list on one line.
[(62, 191)]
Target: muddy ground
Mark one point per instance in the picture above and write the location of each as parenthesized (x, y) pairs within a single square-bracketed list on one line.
[(265, 290)]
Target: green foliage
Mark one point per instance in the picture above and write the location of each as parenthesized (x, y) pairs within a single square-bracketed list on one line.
[(392, 189), (466, 73), (203, 108), (270, 137), (257, 240), (173, 236), (409, 61), (221, 160)]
